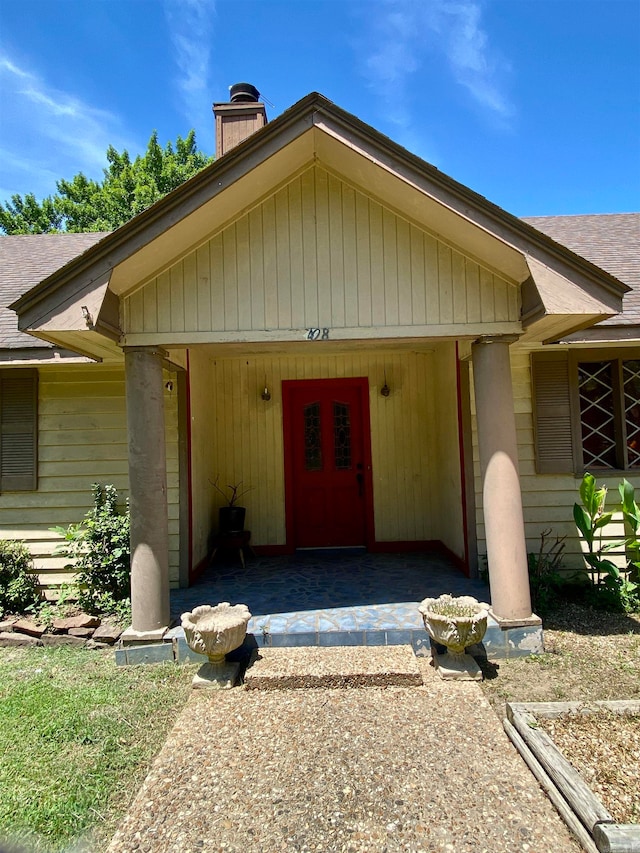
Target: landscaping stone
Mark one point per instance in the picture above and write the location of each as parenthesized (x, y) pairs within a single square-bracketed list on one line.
[(62, 640), (85, 633), (82, 620), (8, 638), (107, 634), (7, 624), (26, 626)]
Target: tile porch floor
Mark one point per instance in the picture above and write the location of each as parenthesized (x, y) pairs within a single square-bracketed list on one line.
[(330, 598)]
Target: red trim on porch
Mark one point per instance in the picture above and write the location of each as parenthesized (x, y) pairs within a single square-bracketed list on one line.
[(463, 482), (196, 571)]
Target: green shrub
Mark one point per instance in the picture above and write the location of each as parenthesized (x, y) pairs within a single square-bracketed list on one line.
[(614, 588), (18, 584), (99, 547)]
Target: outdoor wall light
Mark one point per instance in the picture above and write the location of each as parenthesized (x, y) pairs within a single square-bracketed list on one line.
[(385, 390), (266, 394)]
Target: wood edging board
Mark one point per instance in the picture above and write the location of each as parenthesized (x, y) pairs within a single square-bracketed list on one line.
[(579, 807)]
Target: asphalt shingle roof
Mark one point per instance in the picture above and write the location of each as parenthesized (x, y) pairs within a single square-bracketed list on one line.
[(611, 241), (25, 260)]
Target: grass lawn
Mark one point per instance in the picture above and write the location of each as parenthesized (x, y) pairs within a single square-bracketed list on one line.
[(77, 735)]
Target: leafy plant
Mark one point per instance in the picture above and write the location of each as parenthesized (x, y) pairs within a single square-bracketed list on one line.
[(616, 587), (99, 547), (18, 584)]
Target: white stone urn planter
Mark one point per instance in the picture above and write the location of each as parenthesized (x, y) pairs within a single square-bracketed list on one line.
[(455, 622), (215, 631)]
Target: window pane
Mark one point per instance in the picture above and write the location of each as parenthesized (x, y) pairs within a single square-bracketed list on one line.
[(631, 383), (312, 438), (342, 436), (597, 415)]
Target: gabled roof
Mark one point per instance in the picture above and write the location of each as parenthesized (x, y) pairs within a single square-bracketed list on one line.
[(609, 240), (25, 260), (561, 290)]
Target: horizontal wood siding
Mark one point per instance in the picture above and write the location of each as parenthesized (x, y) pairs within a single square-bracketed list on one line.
[(238, 437), (319, 253), (82, 440), (547, 499)]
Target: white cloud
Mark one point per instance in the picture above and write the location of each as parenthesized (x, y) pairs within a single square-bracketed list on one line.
[(191, 30), (401, 34), (55, 133)]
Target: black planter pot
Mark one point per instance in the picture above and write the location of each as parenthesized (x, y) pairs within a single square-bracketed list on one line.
[(231, 519)]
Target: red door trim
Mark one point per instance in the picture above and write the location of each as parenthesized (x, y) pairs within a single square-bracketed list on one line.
[(288, 388)]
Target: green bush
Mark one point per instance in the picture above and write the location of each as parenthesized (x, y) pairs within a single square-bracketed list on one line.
[(614, 588), (99, 547), (18, 584)]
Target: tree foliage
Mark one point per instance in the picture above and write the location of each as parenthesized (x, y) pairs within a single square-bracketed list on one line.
[(129, 186)]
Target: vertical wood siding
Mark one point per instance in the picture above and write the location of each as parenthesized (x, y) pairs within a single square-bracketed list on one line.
[(238, 436), (82, 440), (319, 253)]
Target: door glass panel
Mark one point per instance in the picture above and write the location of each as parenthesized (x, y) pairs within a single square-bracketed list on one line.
[(597, 419), (342, 436), (312, 438), (631, 383)]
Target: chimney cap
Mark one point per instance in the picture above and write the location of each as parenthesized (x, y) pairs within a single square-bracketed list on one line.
[(243, 93)]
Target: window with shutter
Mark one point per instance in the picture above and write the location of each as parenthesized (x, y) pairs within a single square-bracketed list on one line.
[(552, 413), (586, 407), (18, 430)]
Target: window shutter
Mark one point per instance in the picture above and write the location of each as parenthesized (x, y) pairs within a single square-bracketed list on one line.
[(552, 413), (18, 430)]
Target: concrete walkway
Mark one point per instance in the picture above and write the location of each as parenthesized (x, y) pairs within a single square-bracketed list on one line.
[(369, 768)]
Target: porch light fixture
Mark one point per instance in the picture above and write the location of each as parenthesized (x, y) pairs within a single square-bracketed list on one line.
[(266, 394), (385, 390)]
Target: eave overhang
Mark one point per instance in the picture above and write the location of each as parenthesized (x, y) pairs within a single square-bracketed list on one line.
[(563, 292)]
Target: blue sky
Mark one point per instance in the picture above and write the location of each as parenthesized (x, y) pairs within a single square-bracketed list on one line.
[(533, 103)]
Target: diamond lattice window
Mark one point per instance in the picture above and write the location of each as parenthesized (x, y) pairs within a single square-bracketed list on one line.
[(597, 420), (609, 397)]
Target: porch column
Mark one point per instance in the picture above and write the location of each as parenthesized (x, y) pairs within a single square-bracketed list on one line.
[(147, 491), (501, 496)]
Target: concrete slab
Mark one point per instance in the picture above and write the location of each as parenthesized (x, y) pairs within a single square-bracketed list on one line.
[(353, 666)]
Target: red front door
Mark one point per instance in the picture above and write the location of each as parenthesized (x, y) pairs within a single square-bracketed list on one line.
[(327, 462)]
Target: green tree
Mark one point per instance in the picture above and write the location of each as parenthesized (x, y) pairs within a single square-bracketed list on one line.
[(129, 187)]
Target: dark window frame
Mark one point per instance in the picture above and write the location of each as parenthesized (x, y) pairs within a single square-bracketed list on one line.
[(557, 413)]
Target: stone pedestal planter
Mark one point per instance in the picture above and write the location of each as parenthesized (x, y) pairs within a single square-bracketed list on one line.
[(214, 632), (455, 623)]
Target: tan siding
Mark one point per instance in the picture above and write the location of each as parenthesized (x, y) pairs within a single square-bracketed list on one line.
[(547, 499), (320, 253), (237, 436), (82, 440)]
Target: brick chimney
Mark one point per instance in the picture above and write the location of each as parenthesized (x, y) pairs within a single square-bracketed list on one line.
[(238, 119)]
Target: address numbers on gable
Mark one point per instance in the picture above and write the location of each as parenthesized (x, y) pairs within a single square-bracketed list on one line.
[(317, 334)]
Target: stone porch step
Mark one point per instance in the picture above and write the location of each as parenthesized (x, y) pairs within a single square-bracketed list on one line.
[(347, 666)]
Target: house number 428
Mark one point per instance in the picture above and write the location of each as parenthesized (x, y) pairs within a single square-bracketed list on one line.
[(317, 334)]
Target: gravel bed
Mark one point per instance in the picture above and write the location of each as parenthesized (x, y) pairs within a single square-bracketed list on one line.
[(358, 769)]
